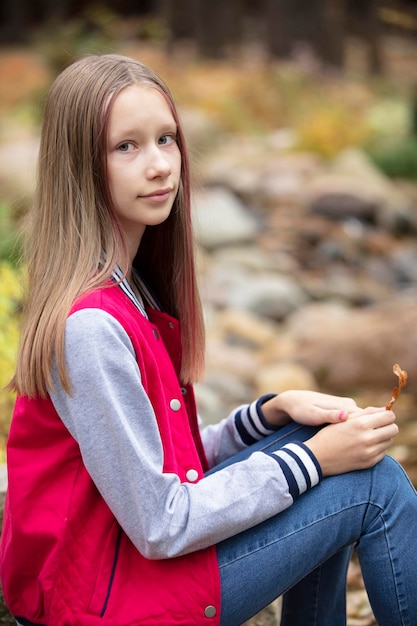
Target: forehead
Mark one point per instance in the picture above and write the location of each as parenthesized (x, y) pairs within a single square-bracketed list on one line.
[(139, 106)]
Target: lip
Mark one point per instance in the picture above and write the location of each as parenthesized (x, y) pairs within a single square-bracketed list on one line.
[(159, 195)]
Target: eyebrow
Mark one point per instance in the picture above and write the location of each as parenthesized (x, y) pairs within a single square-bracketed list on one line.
[(129, 134), (163, 125)]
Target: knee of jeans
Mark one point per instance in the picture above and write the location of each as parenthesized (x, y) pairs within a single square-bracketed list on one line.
[(391, 474)]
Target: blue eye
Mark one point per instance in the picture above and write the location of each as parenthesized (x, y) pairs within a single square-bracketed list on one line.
[(166, 140), (125, 147)]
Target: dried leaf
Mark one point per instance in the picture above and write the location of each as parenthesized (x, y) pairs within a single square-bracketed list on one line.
[(402, 381)]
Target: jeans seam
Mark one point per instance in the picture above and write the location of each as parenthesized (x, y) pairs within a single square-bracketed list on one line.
[(393, 568), (381, 519)]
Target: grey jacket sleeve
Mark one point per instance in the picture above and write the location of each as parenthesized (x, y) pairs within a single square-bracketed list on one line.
[(244, 426), (111, 418)]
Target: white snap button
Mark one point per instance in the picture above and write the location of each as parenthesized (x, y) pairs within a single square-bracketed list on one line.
[(192, 475), (171, 325), (183, 391), (175, 404), (210, 611)]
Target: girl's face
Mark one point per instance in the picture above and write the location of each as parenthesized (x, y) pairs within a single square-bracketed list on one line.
[(143, 160)]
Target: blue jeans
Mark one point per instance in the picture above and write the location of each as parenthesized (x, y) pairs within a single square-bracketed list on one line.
[(304, 551)]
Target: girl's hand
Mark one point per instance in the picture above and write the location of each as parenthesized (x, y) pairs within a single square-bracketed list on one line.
[(357, 443), (310, 408)]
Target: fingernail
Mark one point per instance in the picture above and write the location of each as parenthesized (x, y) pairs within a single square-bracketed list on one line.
[(341, 416)]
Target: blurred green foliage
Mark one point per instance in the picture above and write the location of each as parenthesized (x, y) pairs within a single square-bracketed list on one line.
[(10, 310), (9, 241), (397, 159)]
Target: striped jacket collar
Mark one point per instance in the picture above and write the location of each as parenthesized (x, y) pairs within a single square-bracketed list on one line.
[(145, 295)]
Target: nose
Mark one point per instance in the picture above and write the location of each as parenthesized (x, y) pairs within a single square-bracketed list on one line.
[(158, 164)]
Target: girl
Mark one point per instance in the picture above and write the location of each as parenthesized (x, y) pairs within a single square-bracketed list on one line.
[(119, 511)]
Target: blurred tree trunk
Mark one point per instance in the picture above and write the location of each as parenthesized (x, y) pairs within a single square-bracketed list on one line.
[(56, 9), (278, 30), (374, 28), (334, 30), (180, 16), (17, 17), (217, 26), (366, 23), (291, 24), (322, 26), (14, 21)]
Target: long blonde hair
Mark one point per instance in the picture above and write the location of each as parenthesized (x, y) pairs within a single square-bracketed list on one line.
[(71, 223)]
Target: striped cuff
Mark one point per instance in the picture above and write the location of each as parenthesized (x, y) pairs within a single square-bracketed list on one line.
[(251, 423), (300, 467)]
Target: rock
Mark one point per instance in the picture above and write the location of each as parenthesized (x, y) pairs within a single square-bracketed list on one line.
[(404, 264), (345, 348), (277, 377), (278, 177), (227, 170), (268, 294), (396, 208), (210, 401), (249, 257), (283, 179), (344, 204), (244, 328), (200, 129), (220, 218), (231, 360), (341, 284)]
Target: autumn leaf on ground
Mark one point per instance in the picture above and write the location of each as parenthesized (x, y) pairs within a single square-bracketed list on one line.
[(402, 381)]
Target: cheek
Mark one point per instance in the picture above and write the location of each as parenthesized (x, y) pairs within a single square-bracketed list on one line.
[(116, 180), (110, 187), (115, 190), (176, 164)]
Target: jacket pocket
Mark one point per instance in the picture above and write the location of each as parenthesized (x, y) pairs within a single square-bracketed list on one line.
[(106, 572)]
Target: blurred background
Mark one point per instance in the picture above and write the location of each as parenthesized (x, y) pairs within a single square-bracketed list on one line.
[(301, 118)]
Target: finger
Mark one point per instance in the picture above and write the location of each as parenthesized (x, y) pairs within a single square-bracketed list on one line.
[(332, 415), (341, 403), (372, 454), (374, 416), (386, 434), (341, 416), (322, 415), (380, 419), (374, 409)]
